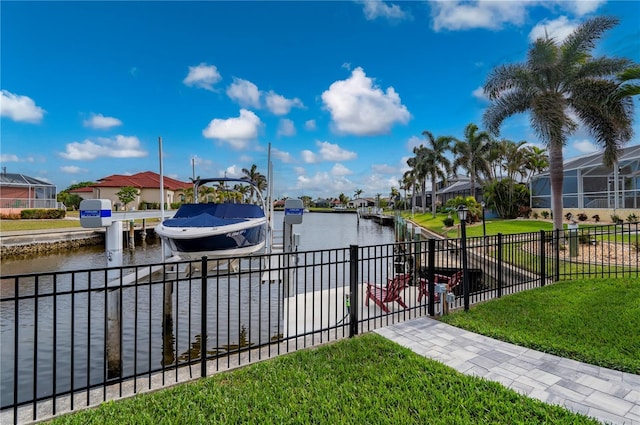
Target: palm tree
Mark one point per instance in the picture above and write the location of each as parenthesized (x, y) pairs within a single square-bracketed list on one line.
[(409, 181), (556, 80), (435, 163), (537, 160), (471, 154), (419, 173), (357, 193), (394, 196), (254, 175)]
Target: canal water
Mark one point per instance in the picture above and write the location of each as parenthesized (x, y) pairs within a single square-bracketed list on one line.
[(317, 231), (149, 340)]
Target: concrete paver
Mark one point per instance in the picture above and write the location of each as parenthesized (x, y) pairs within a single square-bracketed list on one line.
[(607, 395)]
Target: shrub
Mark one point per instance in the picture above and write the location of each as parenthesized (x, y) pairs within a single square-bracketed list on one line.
[(584, 238), (14, 216), (596, 218), (616, 218), (535, 215), (524, 211), (568, 216), (582, 217), (632, 218), (545, 214), (38, 214), (448, 222)]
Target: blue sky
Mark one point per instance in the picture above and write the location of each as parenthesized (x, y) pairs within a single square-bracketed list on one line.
[(341, 90)]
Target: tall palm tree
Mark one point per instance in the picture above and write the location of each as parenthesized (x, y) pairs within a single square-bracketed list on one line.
[(556, 80), (471, 154), (409, 181), (435, 163), (357, 193)]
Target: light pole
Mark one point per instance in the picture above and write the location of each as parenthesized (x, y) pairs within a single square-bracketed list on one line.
[(484, 227), (462, 215)]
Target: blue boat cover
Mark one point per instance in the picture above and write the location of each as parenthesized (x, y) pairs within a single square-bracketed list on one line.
[(213, 215)]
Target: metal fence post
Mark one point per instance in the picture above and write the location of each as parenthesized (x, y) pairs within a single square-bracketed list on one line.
[(500, 268), (543, 258), (431, 275), (353, 290), (556, 247), (203, 318)]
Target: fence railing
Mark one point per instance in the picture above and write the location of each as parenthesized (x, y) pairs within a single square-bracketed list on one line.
[(77, 338), (23, 203)]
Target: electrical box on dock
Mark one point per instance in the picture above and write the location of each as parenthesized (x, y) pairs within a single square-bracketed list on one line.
[(95, 213)]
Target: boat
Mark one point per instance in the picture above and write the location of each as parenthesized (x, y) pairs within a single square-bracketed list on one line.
[(231, 228)]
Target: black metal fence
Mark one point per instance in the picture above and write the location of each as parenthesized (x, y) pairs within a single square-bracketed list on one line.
[(74, 339)]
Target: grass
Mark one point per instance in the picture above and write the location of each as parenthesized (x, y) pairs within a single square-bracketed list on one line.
[(493, 226), (14, 225), (594, 321), (363, 380)]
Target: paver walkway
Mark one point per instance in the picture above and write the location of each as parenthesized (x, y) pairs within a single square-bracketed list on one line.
[(607, 395)]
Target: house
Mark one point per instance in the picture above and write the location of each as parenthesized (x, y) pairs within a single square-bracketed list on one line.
[(279, 203), (591, 188), (83, 192), (148, 185), (18, 192), (361, 202)]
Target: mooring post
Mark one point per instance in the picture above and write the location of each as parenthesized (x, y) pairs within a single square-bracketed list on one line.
[(113, 242)]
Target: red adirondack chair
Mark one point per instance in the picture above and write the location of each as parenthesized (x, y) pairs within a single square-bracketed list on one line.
[(451, 281), (381, 294)]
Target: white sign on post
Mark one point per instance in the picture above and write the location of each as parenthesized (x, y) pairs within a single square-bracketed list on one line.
[(293, 211)]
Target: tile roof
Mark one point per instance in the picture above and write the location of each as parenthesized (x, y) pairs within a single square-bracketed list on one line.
[(144, 180), (85, 189)]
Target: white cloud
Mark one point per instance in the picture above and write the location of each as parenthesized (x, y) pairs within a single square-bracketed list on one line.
[(309, 157), (324, 184), (463, 15), (9, 157), (286, 128), (300, 170), (281, 155), (379, 9), (459, 15), (280, 105), (383, 169), (340, 170), (310, 125), (203, 76), (73, 169), (413, 142), (582, 7), (232, 171), (557, 29), (20, 108), (359, 107), (99, 121), (585, 146), (333, 152), (238, 132), (244, 92), (114, 147), (480, 94)]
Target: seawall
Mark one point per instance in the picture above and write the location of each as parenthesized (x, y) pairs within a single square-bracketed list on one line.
[(30, 242)]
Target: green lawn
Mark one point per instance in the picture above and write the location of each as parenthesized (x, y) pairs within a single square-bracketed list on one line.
[(493, 226), (595, 321), (364, 380), (13, 225)]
